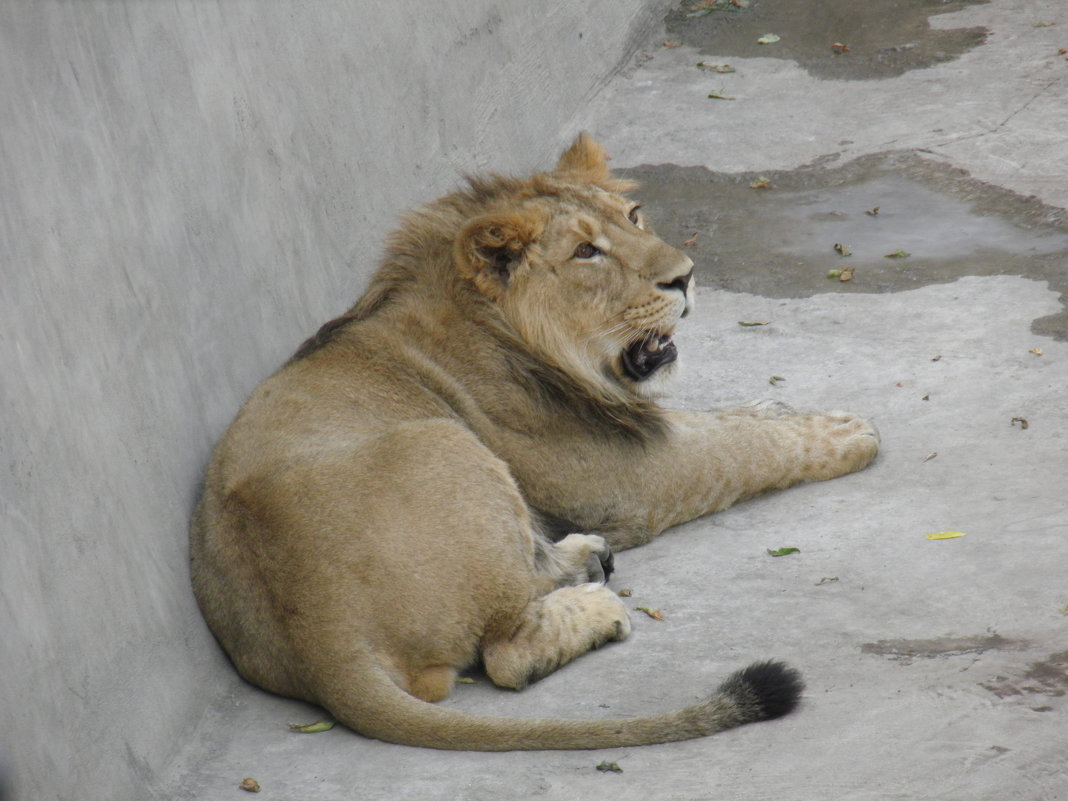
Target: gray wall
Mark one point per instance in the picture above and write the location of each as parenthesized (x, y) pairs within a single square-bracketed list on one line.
[(186, 191)]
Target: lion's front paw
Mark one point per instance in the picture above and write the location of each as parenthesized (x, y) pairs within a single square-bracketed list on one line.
[(837, 443)]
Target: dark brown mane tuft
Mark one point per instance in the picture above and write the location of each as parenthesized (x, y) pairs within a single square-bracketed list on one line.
[(326, 334), (637, 419)]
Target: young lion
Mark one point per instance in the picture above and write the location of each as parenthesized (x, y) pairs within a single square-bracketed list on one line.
[(382, 512)]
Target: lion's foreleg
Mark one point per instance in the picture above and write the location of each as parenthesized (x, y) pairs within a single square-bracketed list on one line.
[(710, 460), (724, 457)]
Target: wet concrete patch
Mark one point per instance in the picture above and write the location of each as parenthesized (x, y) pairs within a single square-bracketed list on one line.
[(779, 241), (882, 38), (1047, 677), (907, 651)]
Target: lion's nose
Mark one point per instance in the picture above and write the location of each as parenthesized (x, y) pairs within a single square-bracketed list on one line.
[(682, 283)]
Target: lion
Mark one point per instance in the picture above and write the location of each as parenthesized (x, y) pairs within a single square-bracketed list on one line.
[(437, 479)]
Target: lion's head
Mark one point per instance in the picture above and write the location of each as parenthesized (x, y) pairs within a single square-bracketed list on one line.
[(562, 267), (567, 259)]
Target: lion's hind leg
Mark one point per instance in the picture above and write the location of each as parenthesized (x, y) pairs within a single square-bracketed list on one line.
[(552, 631)]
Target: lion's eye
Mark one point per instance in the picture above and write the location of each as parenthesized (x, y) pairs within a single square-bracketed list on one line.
[(586, 250), (633, 215)]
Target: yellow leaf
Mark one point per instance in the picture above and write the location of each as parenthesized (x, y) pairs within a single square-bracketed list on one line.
[(946, 535), (312, 728)]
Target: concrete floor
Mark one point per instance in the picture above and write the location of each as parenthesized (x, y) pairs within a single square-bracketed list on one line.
[(936, 669)]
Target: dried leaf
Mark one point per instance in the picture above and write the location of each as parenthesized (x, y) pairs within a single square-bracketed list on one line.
[(1036, 351), (625, 593), (898, 254), (704, 7), (312, 728), (783, 551), (718, 96), (946, 535), (842, 250), (751, 325), (689, 243), (250, 786), (609, 767), (671, 45), (839, 48), (768, 38), (761, 183), (827, 580), (873, 212), (846, 274), (655, 614), (936, 358), (1023, 423), (722, 69), (926, 397), (1044, 24), (930, 456), (775, 379)]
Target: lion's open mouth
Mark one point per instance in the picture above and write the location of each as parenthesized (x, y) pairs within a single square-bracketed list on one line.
[(648, 355)]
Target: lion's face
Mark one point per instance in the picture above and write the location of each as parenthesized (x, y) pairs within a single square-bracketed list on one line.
[(584, 284)]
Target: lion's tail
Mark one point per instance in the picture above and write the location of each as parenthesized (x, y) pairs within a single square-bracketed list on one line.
[(372, 704)]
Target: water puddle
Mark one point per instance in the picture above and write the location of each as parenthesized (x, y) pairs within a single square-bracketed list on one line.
[(881, 38), (900, 223)]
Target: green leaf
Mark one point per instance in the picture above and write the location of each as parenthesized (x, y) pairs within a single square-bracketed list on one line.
[(783, 551), (768, 38), (609, 767), (751, 325)]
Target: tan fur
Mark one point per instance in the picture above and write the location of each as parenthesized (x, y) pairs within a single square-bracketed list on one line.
[(376, 517)]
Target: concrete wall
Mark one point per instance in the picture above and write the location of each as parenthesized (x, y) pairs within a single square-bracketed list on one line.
[(186, 191)]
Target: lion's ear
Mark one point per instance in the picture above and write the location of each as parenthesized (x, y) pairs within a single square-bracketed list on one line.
[(489, 249), (585, 161)]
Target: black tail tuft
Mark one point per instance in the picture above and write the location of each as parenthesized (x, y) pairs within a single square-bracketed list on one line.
[(770, 689)]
